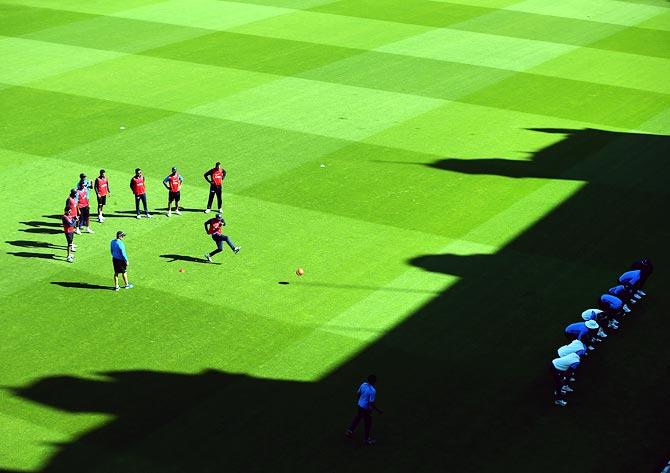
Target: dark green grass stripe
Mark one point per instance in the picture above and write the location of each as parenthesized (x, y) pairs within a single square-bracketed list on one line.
[(17, 20), (44, 123), (253, 53), (416, 12), (515, 24), (577, 100)]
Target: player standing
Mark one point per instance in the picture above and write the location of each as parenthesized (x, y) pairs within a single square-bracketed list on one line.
[(213, 227), (69, 225), (173, 184), (119, 260), (139, 189), (84, 207), (365, 404), (101, 187), (215, 177)]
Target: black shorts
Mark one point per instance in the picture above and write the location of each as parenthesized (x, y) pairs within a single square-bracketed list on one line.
[(174, 196), (102, 200), (119, 265), (69, 237)]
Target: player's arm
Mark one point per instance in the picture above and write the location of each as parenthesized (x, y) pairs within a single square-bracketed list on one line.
[(96, 188), (165, 182), (223, 174), (207, 226), (132, 186), (181, 181), (208, 176), (373, 405)]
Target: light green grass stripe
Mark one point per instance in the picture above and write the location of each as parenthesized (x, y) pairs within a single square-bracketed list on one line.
[(330, 29), (98, 7), (25, 61), (478, 49), (610, 68), (211, 14), (605, 11)]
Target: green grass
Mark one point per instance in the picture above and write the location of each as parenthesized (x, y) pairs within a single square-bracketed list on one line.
[(459, 180)]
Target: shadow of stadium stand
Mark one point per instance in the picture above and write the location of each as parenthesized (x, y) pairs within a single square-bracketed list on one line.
[(463, 380)]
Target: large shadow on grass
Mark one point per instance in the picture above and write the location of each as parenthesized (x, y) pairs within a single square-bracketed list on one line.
[(463, 379)]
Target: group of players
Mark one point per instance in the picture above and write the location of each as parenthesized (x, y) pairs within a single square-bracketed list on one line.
[(596, 324), (76, 215)]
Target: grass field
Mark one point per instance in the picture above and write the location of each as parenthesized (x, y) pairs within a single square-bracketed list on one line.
[(458, 179)]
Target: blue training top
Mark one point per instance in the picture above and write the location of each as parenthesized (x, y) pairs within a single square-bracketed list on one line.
[(579, 329), (118, 250)]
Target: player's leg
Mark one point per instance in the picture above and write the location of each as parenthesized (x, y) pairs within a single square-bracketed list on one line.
[(137, 206), (219, 248), (69, 237), (230, 244), (355, 421), (367, 423), (177, 196), (219, 200), (169, 205), (125, 280), (210, 198), (116, 281), (144, 204), (87, 217)]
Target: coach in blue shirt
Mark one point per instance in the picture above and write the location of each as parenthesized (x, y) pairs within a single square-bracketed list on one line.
[(119, 260), (365, 403)]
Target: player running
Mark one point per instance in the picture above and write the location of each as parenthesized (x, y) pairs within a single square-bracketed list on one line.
[(173, 184), (213, 227), (84, 207), (101, 187), (140, 191), (69, 225), (215, 177)]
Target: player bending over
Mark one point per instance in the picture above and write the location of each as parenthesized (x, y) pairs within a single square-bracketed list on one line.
[(213, 227)]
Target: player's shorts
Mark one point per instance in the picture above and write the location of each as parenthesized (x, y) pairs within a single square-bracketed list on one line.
[(69, 237), (119, 265), (174, 196), (102, 200)]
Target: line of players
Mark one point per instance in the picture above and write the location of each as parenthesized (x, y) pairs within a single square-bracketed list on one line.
[(76, 215), (614, 306)]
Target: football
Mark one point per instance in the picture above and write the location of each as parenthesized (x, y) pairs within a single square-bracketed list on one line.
[(299, 272)]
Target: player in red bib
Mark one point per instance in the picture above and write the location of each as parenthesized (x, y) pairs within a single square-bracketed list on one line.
[(69, 225), (213, 227), (139, 189), (84, 207), (101, 187), (173, 184), (215, 177)]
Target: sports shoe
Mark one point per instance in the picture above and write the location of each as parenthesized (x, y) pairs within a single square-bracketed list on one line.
[(99, 220), (89, 230), (591, 347), (138, 216), (218, 211), (626, 309), (69, 259), (116, 288), (567, 389), (102, 219), (612, 325), (207, 211), (208, 258), (77, 231), (128, 286), (348, 433), (641, 292), (371, 441), (572, 380), (177, 212), (637, 297), (601, 333), (236, 249), (169, 214), (561, 402), (148, 215)]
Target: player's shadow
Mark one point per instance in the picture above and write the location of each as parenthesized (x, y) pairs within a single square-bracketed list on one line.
[(27, 254), (171, 258), (123, 214), (81, 285), (37, 223), (463, 376), (41, 231), (35, 244), (181, 209)]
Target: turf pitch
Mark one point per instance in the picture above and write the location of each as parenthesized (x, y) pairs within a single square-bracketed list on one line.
[(490, 167)]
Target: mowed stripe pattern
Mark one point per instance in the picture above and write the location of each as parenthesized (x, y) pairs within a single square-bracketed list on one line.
[(376, 90)]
